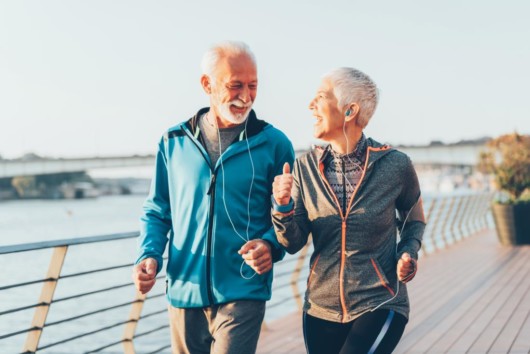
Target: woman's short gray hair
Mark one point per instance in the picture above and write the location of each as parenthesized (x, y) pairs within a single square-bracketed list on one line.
[(353, 86), (211, 58)]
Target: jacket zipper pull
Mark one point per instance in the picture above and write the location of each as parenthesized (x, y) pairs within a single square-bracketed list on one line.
[(212, 183)]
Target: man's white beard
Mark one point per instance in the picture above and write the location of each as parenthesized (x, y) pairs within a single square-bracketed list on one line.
[(226, 113)]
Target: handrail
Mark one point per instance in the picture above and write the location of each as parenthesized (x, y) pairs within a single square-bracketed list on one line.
[(24, 247), (445, 215), (450, 219)]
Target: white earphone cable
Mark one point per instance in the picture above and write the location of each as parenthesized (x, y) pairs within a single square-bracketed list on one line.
[(245, 240), (398, 281)]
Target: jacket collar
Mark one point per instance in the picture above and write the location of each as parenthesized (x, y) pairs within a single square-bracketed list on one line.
[(374, 150)]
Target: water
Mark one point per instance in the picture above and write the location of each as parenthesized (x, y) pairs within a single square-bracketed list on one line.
[(23, 221), (43, 220)]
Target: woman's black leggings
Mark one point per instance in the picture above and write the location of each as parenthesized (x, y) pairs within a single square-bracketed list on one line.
[(373, 332)]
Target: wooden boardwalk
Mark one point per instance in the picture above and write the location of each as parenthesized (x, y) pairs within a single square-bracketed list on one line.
[(470, 298)]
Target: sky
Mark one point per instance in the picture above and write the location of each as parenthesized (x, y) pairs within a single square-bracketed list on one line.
[(108, 77)]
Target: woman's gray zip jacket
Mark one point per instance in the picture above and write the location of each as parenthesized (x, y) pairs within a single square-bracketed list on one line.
[(353, 266)]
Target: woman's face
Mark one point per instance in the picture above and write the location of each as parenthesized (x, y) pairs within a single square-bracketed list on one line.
[(330, 120)]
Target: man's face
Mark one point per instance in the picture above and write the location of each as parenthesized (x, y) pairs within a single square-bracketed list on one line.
[(330, 121), (233, 89)]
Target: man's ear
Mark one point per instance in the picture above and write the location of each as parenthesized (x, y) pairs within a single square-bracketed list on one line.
[(206, 84)]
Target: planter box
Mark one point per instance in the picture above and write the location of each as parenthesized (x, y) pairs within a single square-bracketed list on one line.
[(512, 223)]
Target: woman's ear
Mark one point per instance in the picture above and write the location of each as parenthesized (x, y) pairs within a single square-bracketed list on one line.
[(352, 112)]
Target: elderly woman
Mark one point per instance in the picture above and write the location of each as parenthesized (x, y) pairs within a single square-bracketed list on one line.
[(353, 196)]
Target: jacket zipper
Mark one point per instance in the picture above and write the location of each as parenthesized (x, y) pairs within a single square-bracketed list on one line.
[(211, 193), (344, 194), (343, 229)]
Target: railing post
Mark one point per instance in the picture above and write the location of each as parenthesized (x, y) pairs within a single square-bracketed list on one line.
[(457, 217), (471, 226), (428, 219), (130, 327), (464, 217), (446, 220), (487, 212), (485, 205), (435, 223), (45, 299)]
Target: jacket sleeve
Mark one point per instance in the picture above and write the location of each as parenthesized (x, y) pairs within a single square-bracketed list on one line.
[(285, 155), (410, 210), (293, 227), (156, 218)]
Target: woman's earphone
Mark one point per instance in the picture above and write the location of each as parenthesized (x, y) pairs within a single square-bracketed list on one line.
[(348, 112)]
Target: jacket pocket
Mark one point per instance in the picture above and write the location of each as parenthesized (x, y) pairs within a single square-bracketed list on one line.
[(381, 276), (311, 271)]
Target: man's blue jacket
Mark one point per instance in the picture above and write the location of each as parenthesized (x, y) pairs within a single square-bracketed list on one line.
[(196, 207)]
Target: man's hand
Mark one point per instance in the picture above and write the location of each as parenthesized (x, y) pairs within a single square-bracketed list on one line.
[(282, 185), (257, 255), (144, 275), (406, 268)]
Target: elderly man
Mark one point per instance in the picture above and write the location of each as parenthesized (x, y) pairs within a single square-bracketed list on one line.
[(210, 200)]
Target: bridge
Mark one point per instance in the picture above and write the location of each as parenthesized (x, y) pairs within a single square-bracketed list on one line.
[(35, 167), (438, 155), (445, 155)]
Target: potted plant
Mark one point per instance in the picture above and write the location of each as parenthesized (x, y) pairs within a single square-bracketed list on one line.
[(507, 157)]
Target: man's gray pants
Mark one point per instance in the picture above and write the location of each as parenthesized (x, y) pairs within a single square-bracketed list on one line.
[(231, 328)]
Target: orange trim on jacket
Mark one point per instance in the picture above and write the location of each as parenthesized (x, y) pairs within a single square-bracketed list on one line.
[(312, 270), (381, 278)]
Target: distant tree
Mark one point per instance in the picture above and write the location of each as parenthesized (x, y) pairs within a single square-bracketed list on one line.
[(30, 156), (436, 143)]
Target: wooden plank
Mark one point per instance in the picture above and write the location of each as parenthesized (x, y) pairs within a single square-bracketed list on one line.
[(448, 329), (282, 333), (507, 338), (514, 294), (451, 271), (460, 319), (454, 269), (486, 309), (522, 341), (450, 263)]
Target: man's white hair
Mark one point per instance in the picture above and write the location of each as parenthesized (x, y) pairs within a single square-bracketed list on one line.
[(353, 86), (212, 56)]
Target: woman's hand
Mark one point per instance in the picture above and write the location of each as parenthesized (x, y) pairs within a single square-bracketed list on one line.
[(282, 185), (406, 268)]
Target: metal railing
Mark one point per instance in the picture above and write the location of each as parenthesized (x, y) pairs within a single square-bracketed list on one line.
[(453, 218), (450, 219)]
